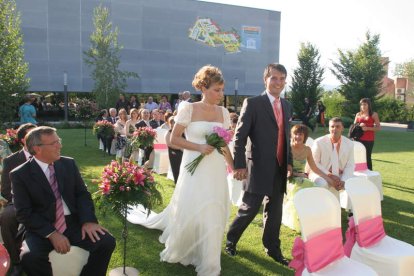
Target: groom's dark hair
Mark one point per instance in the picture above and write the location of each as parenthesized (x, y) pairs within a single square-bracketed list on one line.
[(274, 66)]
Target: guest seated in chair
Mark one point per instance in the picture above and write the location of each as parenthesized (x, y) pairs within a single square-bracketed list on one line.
[(10, 233), (53, 204), (302, 155), (334, 156)]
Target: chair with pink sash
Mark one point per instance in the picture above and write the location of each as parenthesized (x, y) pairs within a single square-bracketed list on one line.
[(320, 250), (4, 260), (366, 240), (161, 161), (362, 170)]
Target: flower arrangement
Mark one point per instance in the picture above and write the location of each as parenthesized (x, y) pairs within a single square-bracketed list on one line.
[(143, 137), (103, 128), (219, 138), (85, 109), (123, 183), (10, 138)]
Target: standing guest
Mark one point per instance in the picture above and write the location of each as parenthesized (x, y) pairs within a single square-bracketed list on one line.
[(53, 204), (307, 114), (122, 103), (156, 120), (320, 119), (13, 238), (164, 104), (178, 101), (112, 116), (334, 156), (264, 120), (150, 105), (133, 103), (370, 123), (130, 124), (102, 116), (27, 111), (175, 153), (186, 97)]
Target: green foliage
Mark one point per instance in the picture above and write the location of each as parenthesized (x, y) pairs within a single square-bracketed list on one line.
[(13, 68), (360, 72), (104, 58), (335, 104), (306, 78), (391, 110)]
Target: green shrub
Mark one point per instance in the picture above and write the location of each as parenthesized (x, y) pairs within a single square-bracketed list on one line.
[(335, 104), (391, 110)]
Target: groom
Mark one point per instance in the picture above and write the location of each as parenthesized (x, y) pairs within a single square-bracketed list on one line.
[(264, 120)]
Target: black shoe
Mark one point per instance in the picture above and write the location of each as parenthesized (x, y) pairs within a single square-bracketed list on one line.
[(16, 270), (279, 259), (230, 249)]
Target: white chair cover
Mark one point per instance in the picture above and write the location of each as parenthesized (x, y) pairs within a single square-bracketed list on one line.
[(69, 264), (309, 142), (319, 211), (373, 176), (161, 161), (388, 257)]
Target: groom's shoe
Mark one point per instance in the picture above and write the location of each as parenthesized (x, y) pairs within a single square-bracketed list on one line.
[(230, 249), (279, 259)]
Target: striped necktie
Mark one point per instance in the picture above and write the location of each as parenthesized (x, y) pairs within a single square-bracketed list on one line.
[(60, 223)]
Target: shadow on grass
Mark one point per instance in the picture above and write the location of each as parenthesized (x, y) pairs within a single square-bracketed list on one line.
[(384, 161), (398, 188)]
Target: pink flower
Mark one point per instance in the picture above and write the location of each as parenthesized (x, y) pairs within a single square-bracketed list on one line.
[(122, 188)]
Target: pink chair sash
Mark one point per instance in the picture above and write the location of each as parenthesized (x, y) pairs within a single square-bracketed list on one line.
[(361, 167), (317, 252), (4, 260), (160, 147), (367, 233)]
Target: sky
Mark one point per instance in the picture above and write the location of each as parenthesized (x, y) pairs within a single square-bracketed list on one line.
[(331, 25)]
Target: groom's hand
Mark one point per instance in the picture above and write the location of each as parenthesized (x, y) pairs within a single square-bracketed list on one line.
[(240, 174)]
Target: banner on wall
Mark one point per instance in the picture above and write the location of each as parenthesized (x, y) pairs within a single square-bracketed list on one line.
[(251, 38)]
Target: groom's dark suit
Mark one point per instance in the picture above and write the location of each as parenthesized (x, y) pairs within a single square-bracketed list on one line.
[(266, 177), (35, 206)]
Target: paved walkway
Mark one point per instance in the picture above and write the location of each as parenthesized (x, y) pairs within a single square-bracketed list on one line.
[(394, 127)]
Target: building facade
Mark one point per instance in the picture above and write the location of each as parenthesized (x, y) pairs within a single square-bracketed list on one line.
[(165, 43)]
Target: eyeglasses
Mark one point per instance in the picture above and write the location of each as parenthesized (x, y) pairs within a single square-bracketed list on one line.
[(54, 143)]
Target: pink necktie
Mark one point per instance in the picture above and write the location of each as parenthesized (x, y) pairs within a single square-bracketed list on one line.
[(277, 109), (60, 223), (335, 160)]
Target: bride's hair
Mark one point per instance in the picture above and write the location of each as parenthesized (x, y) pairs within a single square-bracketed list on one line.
[(206, 76)]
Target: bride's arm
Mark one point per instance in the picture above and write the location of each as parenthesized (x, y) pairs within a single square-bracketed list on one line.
[(180, 142), (228, 157)]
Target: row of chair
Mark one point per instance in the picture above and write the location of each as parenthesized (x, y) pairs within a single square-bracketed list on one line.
[(367, 250)]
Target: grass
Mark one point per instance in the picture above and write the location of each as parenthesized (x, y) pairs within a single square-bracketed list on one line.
[(393, 157)]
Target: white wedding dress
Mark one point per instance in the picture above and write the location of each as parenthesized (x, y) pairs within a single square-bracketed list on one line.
[(194, 221)]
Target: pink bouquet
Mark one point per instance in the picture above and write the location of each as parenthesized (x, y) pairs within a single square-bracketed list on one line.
[(11, 139), (219, 138), (143, 137), (126, 183), (103, 128)]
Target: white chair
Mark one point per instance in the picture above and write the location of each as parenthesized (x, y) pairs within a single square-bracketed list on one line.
[(362, 170), (389, 256), (161, 161), (319, 213), (309, 142), (69, 264)]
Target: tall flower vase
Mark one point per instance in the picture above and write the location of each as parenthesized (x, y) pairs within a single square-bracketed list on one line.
[(125, 270)]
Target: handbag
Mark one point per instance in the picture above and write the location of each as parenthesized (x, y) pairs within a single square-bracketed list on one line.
[(355, 132)]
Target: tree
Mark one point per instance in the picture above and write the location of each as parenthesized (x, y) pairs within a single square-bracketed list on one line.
[(104, 58), (360, 72), (13, 68), (307, 78), (405, 70)]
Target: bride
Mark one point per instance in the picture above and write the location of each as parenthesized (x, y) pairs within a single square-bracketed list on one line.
[(194, 221)]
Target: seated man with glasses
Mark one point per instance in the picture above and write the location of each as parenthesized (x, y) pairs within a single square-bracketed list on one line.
[(53, 204)]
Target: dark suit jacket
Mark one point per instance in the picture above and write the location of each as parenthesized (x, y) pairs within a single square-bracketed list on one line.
[(258, 122), (9, 163), (35, 202), (154, 124), (141, 124)]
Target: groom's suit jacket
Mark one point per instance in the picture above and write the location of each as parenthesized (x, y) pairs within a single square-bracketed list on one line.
[(258, 123), (322, 152), (35, 202)]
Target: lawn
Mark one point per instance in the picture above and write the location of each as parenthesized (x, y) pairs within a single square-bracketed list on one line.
[(393, 157)]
